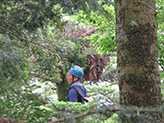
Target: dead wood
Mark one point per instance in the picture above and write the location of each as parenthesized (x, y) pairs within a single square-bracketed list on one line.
[(95, 62)]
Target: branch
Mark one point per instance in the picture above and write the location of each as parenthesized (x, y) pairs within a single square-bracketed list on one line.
[(100, 111), (13, 83), (28, 40), (44, 77), (112, 83), (90, 31), (108, 98), (87, 49), (9, 120), (161, 64), (67, 118)]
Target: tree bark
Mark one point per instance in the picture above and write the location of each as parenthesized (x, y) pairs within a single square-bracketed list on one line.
[(137, 53), (62, 90), (62, 87)]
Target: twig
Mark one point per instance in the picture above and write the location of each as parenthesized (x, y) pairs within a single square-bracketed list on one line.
[(112, 83), (43, 77), (90, 31), (160, 64), (87, 49)]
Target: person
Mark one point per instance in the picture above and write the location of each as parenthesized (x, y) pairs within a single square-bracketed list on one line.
[(73, 78)]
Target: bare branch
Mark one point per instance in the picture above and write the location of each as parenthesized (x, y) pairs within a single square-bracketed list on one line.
[(112, 83), (90, 31)]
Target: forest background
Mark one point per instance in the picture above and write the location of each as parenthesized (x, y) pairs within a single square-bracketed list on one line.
[(39, 44)]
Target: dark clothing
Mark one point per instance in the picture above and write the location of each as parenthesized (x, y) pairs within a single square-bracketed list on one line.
[(73, 95)]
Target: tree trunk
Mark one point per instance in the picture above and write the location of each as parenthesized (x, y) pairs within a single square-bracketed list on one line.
[(62, 90), (62, 87), (137, 53)]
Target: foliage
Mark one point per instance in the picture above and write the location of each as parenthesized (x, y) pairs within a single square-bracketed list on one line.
[(33, 44), (160, 15), (13, 66), (105, 38), (110, 74), (29, 49), (33, 33)]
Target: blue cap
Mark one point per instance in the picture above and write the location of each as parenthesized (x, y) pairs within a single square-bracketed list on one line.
[(76, 71)]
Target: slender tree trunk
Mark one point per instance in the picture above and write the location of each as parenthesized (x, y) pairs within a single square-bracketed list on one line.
[(62, 90), (62, 87), (137, 53)]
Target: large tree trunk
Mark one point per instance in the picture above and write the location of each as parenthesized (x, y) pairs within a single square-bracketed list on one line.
[(137, 53)]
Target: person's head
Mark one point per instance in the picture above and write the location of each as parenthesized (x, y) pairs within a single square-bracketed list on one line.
[(75, 74)]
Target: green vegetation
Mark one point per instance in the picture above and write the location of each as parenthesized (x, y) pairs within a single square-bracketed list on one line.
[(37, 49)]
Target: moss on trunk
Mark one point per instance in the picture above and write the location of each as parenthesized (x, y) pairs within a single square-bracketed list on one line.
[(62, 90), (63, 86), (137, 53)]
